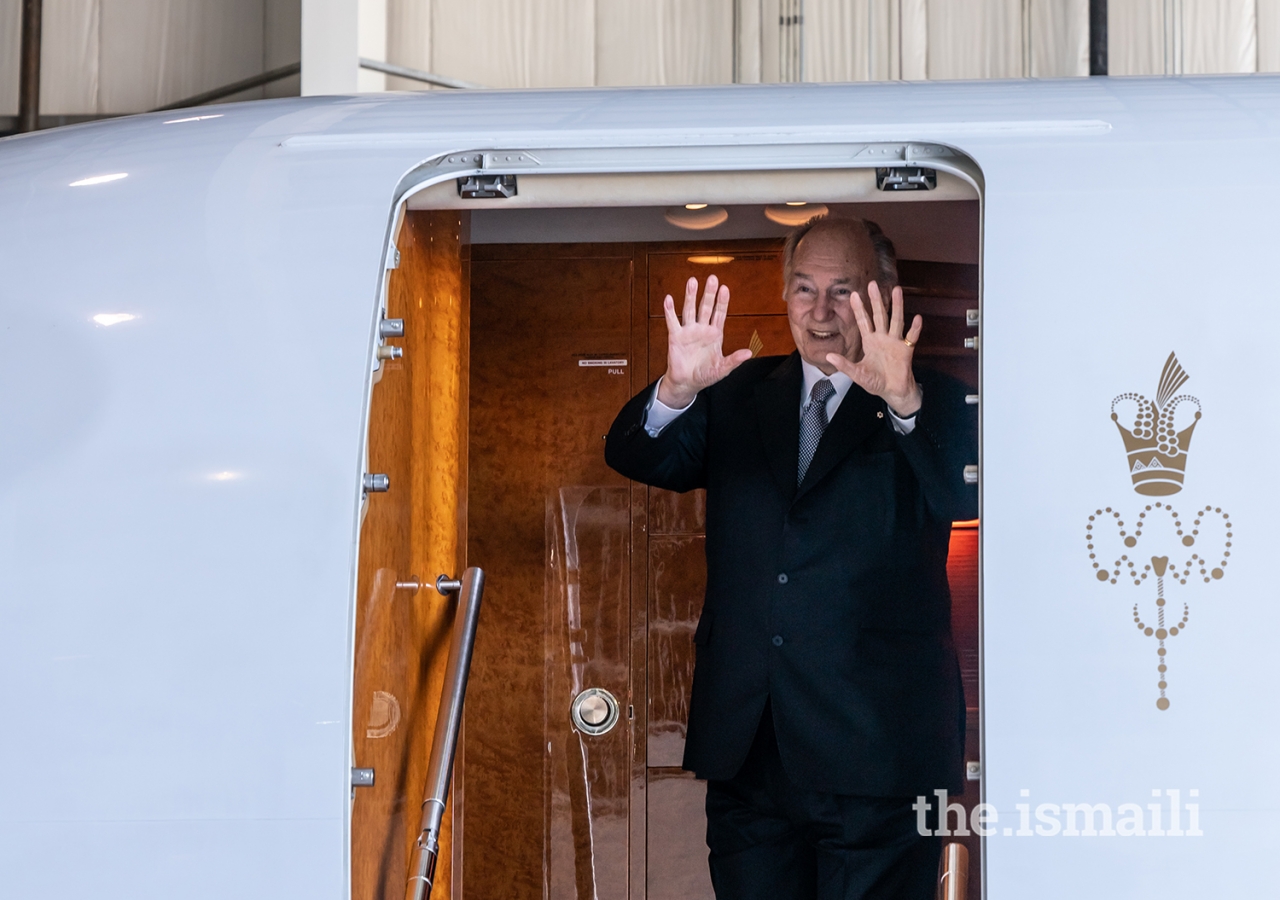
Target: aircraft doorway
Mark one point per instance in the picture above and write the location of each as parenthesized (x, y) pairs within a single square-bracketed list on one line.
[(596, 582), (525, 332)]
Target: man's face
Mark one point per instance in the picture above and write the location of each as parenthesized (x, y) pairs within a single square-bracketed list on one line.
[(828, 267)]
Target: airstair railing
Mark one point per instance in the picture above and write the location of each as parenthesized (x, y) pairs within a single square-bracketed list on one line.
[(469, 589)]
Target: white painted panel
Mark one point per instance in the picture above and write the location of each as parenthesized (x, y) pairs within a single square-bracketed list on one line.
[(372, 43), (1268, 15), (330, 47), (1082, 307)]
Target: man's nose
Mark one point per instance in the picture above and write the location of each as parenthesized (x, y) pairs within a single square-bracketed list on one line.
[(824, 309)]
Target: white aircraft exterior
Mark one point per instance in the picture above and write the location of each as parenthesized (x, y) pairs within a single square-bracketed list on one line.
[(188, 311)]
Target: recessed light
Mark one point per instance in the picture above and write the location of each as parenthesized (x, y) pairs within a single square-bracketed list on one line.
[(796, 203), (695, 206), (710, 260), (98, 179), (791, 215), (224, 476), (109, 319), (699, 219)]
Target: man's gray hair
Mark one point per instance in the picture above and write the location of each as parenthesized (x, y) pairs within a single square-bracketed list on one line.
[(886, 262)]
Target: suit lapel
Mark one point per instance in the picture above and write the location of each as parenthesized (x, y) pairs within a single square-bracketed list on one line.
[(777, 400), (854, 422)]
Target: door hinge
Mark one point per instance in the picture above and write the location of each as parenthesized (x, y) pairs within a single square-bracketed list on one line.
[(362, 777)]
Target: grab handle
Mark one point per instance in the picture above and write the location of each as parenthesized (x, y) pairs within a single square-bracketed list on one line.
[(444, 744)]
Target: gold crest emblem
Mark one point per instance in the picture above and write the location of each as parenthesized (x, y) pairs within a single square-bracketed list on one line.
[(1156, 450)]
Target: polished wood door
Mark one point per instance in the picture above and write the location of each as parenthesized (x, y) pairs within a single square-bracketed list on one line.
[(417, 436), (548, 808)]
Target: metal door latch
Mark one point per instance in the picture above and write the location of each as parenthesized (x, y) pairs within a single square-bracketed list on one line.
[(362, 777), (487, 187), (973, 770), (376, 483), (906, 178), (970, 474)]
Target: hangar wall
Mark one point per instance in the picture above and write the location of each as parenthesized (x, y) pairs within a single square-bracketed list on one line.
[(107, 57)]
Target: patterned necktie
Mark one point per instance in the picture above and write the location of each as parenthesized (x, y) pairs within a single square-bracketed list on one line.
[(813, 421)]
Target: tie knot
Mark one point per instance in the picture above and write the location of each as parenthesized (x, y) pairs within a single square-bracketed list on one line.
[(822, 391)]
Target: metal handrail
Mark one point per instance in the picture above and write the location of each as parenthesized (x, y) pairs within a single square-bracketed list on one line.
[(470, 590), (953, 883), (444, 81)]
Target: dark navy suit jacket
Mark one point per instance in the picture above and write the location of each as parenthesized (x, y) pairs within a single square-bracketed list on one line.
[(829, 599)]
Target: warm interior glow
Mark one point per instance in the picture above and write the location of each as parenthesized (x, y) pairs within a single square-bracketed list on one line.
[(797, 203), (99, 179), (113, 318), (696, 219), (695, 206), (791, 214), (710, 260)]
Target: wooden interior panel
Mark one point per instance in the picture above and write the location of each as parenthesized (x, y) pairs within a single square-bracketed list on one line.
[(538, 419), (417, 437), (677, 583), (752, 269)]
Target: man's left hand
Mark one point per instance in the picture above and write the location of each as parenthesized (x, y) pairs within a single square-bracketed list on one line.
[(884, 368)]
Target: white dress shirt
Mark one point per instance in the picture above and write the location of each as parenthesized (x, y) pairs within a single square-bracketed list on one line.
[(659, 415)]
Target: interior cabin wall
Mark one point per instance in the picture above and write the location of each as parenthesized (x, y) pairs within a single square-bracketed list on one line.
[(597, 582), (414, 531)]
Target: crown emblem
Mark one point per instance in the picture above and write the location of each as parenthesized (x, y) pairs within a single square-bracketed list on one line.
[(1156, 449)]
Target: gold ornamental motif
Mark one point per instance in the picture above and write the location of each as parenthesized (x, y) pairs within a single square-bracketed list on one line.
[(1156, 450)]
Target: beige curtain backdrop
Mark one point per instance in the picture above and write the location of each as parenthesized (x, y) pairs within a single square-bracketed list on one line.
[(117, 56), (120, 56)]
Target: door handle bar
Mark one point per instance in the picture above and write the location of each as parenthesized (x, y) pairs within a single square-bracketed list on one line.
[(470, 589)]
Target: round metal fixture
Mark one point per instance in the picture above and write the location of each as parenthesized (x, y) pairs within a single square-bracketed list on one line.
[(594, 711)]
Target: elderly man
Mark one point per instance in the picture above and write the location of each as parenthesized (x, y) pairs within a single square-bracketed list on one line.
[(826, 693)]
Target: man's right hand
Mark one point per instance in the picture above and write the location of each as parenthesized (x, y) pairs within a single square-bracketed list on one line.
[(694, 348)]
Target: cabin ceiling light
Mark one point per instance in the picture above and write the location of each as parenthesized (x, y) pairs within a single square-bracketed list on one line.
[(696, 219), (99, 179), (695, 206), (224, 476), (710, 260), (794, 213), (110, 319)]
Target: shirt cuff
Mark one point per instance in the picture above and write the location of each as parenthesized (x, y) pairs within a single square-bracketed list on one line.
[(902, 425), (658, 415)]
